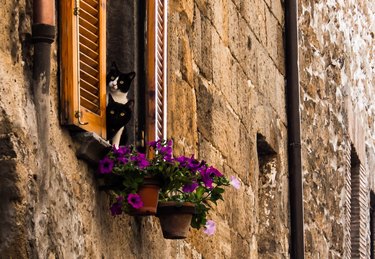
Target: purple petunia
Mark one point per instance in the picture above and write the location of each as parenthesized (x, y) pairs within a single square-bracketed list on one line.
[(105, 165), (153, 144), (121, 151), (182, 160), (214, 172), (190, 163), (135, 200), (207, 181), (123, 160), (210, 227), (116, 208), (235, 182), (193, 164), (190, 187), (140, 160)]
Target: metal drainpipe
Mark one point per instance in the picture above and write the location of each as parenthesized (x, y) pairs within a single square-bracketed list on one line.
[(294, 135), (43, 34)]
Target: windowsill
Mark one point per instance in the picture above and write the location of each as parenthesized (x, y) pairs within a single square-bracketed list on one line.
[(92, 148)]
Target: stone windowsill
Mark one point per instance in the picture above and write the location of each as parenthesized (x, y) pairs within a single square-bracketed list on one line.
[(92, 147)]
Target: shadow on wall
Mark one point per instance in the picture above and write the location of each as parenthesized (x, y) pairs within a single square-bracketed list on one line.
[(10, 195), (205, 101)]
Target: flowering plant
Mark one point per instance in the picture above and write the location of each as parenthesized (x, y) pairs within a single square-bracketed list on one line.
[(183, 179), (127, 168), (186, 179)]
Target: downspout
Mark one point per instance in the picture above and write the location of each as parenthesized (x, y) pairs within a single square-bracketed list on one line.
[(43, 34), (294, 134)]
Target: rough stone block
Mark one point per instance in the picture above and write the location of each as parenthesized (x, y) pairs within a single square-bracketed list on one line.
[(277, 8), (272, 37), (182, 122), (205, 62), (223, 76), (220, 19)]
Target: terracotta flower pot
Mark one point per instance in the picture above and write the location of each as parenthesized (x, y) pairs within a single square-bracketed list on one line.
[(149, 193), (175, 218)]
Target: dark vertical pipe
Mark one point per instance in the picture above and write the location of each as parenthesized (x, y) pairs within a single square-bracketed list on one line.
[(294, 134), (43, 34)]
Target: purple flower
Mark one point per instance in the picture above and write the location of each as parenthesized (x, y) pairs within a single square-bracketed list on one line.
[(116, 208), (234, 182), (140, 160), (153, 144), (210, 227), (121, 151), (123, 160), (214, 172), (135, 200), (206, 177), (193, 164), (105, 165), (182, 160), (190, 187)]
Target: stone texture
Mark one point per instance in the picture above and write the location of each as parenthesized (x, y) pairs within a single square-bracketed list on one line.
[(335, 54), (226, 87)]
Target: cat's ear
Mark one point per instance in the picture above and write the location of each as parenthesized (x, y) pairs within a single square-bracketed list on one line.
[(130, 104), (114, 66), (131, 75)]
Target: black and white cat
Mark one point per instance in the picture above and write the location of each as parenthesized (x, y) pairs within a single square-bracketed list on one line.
[(119, 108), (118, 84)]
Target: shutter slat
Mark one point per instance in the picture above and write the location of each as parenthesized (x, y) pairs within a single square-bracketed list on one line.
[(88, 17), (90, 27), (88, 60), (89, 96), (89, 70), (89, 78), (92, 107), (93, 3), (89, 87), (87, 42), (88, 8), (88, 52), (89, 35)]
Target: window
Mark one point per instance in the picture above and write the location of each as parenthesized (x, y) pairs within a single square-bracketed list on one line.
[(83, 67)]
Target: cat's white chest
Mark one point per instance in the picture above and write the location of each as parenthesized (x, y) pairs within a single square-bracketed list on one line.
[(119, 96)]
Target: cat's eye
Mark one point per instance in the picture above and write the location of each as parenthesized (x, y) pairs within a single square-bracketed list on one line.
[(122, 114), (112, 112), (121, 82), (112, 77)]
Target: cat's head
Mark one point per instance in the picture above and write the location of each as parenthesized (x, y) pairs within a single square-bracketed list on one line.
[(116, 80), (118, 113)]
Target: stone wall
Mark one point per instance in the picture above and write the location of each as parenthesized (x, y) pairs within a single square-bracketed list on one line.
[(226, 106), (226, 87), (226, 77), (337, 77)]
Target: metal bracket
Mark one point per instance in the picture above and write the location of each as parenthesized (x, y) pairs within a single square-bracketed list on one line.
[(78, 115)]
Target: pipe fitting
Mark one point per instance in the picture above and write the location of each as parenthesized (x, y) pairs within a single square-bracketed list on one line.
[(43, 33)]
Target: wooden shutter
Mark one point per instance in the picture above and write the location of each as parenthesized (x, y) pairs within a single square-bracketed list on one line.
[(156, 104), (83, 56)]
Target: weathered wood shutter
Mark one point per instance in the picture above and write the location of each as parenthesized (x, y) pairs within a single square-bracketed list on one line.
[(83, 63), (157, 14)]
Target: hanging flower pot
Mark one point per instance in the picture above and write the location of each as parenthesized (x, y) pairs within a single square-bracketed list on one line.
[(175, 218), (149, 195)]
